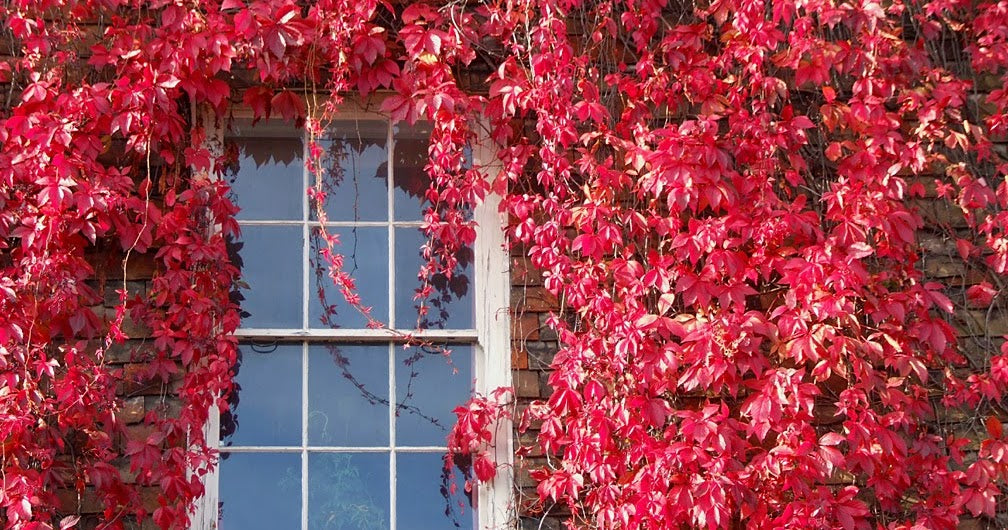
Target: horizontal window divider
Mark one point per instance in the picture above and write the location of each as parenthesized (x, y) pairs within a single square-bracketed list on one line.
[(333, 449), (258, 449), (270, 222), (332, 224), (427, 449), (356, 334)]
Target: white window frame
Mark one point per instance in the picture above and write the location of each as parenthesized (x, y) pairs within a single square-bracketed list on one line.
[(490, 338)]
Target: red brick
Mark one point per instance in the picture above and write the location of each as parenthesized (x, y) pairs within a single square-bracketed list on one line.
[(523, 273), (534, 299), (70, 501), (519, 359), (132, 410), (525, 327), (526, 383)]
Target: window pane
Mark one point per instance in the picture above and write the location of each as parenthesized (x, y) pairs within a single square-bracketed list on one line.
[(450, 305), (266, 403), (260, 491), (428, 497), (348, 395), (410, 179), (356, 164), (269, 181), (365, 257), (429, 386), (271, 266), (348, 491)]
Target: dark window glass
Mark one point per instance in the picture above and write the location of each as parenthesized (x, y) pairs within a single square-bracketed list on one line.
[(356, 166), (268, 182), (429, 496), (429, 385), (450, 304), (348, 491), (260, 491), (365, 252), (266, 403), (409, 177), (348, 389), (272, 267)]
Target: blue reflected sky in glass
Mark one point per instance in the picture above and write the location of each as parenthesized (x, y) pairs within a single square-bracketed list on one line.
[(260, 491), (271, 265), (356, 181), (268, 411), (428, 387), (365, 256), (450, 305), (269, 182), (424, 495), (348, 395), (408, 177), (348, 491)]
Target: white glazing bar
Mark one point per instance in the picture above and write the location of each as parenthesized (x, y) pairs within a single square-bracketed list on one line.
[(311, 222), (392, 405), (390, 199), (332, 449), (417, 224), (340, 224), (270, 222), (304, 436), (262, 449), (305, 233), (305, 293), (362, 335)]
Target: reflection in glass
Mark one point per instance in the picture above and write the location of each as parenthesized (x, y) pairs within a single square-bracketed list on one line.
[(365, 257), (356, 159), (410, 179), (260, 491), (268, 182), (348, 395), (271, 265), (429, 385), (348, 491), (266, 402), (450, 304), (424, 494)]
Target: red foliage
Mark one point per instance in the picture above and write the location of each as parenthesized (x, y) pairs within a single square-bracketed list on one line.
[(719, 193)]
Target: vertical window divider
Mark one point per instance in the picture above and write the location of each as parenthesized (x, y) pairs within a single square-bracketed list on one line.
[(305, 324), (304, 435), (393, 400), (390, 200), (393, 404), (305, 234)]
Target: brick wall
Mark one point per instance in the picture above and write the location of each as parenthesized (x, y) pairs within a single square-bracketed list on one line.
[(533, 345), (139, 394)]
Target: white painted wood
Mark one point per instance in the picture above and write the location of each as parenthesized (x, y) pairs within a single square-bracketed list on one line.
[(205, 514), (379, 335), (205, 517), (490, 337), (348, 224), (493, 289)]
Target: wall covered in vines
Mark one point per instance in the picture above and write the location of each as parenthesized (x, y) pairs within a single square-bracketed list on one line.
[(727, 198)]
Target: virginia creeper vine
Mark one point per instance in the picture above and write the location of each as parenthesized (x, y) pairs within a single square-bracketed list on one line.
[(722, 194)]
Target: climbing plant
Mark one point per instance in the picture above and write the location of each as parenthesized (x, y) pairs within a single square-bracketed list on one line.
[(723, 196)]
